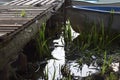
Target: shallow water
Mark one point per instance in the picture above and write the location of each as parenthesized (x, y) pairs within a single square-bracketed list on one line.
[(62, 60), (56, 65)]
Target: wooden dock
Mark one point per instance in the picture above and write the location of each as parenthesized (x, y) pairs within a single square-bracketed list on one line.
[(18, 14), (19, 23)]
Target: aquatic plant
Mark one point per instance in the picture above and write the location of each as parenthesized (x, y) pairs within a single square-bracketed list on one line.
[(46, 74), (23, 13), (41, 43), (112, 11), (112, 76), (106, 64), (67, 32), (93, 41), (96, 39)]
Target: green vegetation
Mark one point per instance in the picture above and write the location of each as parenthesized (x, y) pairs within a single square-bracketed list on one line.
[(23, 13), (98, 42), (67, 33), (42, 46), (46, 74), (95, 39), (112, 76)]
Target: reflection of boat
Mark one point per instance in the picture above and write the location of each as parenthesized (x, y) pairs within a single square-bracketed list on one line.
[(95, 14)]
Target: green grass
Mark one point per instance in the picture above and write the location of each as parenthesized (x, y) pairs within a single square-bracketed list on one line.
[(67, 32), (93, 40), (42, 43), (23, 13)]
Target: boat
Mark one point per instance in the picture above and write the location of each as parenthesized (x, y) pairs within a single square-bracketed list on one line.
[(108, 15), (96, 3)]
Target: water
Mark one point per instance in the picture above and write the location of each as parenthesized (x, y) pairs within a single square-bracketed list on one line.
[(56, 65)]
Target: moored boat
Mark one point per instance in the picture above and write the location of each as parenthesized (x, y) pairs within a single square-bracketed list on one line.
[(95, 3), (108, 15)]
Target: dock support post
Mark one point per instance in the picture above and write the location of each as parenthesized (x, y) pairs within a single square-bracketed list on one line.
[(4, 73), (22, 62)]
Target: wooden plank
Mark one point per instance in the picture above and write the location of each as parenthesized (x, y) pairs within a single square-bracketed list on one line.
[(23, 2), (3, 33), (17, 15), (3, 7), (50, 2), (20, 12), (30, 2), (7, 30), (14, 19), (42, 9), (28, 16), (15, 3), (45, 1), (10, 2), (2, 26), (12, 22), (38, 2), (10, 19), (8, 27)]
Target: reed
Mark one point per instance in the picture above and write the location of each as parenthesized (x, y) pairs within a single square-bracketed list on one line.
[(46, 74), (42, 43), (67, 32), (95, 38), (106, 64), (112, 76)]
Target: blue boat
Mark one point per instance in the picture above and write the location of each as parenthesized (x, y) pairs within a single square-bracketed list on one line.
[(108, 15), (96, 2)]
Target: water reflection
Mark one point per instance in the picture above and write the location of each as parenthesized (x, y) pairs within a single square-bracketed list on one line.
[(84, 71), (54, 65)]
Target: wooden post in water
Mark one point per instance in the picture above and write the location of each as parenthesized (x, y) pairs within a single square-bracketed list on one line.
[(4, 73), (22, 62)]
